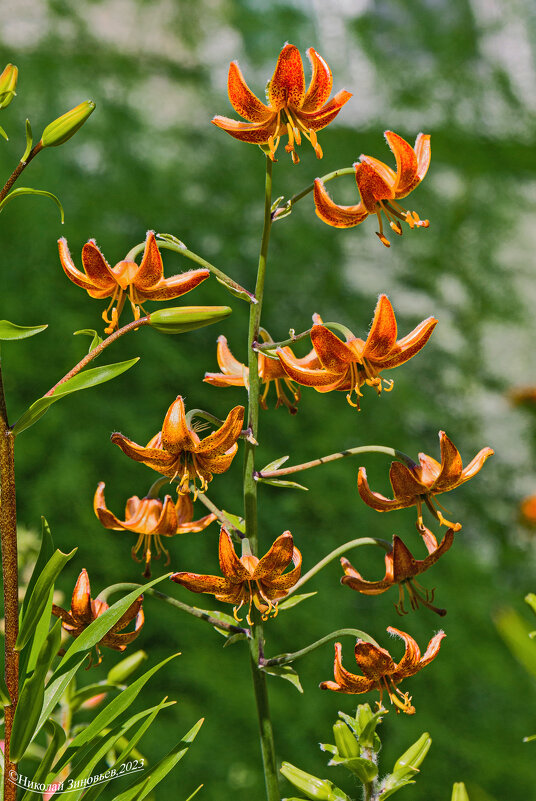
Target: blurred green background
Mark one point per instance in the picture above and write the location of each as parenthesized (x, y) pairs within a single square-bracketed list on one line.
[(149, 158)]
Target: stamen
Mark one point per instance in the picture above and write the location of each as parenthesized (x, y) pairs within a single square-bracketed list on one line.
[(383, 239)]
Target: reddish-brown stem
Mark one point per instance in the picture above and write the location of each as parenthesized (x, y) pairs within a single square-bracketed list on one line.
[(95, 352), (8, 532), (18, 169)]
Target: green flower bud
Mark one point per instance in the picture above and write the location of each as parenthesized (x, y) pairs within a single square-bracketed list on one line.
[(345, 741), (121, 672), (459, 793), (179, 319), (313, 787), (8, 83), (410, 761), (59, 131)]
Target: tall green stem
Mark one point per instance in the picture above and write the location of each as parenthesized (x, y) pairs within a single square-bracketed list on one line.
[(8, 530), (256, 648)]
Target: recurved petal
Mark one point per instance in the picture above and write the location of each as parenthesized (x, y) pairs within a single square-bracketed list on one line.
[(57, 611), (173, 287), (307, 376), (75, 275), (195, 582), (316, 120), (382, 335), (406, 486), (242, 98), (125, 619), (287, 86), (150, 456), (337, 216), (287, 580), (406, 163), (176, 436), (230, 565), (119, 641), (321, 83), (353, 579), (97, 268), (476, 464), (423, 151), (207, 465), (151, 269), (107, 518), (404, 563), (226, 361), (410, 345), (409, 664), (375, 499), (256, 133), (277, 559), (221, 440), (451, 465), (196, 525), (374, 661), (432, 650), (346, 682), (435, 553), (167, 522), (375, 181), (81, 600), (334, 354)]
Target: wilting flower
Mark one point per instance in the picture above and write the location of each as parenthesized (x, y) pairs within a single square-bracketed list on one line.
[(346, 366), (84, 611), (380, 188), (235, 374), (248, 579), (380, 671), (418, 484), (151, 519), (527, 510), (142, 282), (401, 567), (292, 110), (178, 453)]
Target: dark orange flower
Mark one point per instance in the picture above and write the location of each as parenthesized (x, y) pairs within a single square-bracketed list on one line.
[(380, 671), (380, 188), (413, 486), (142, 282), (527, 510), (151, 519), (401, 567), (84, 611), (292, 110), (236, 374), (248, 579), (523, 396), (178, 453), (346, 366)]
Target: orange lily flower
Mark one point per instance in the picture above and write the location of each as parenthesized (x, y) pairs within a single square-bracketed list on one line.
[(249, 579), (527, 510), (380, 671), (151, 519), (292, 110), (401, 567), (84, 610), (346, 366), (178, 453), (142, 282), (236, 374), (420, 483), (380, 188)]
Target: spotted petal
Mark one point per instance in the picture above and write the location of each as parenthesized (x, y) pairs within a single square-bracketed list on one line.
[(287, 86), (242, 98), (406, 163), (277, 559), (321, 83), (256, 133), (346, 682), (332, 214), (383, 331), (231, 566)]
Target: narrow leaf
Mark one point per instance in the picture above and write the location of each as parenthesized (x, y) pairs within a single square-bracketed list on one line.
[(284, 672), (91, 691), (276, 482), (294, 600), (6, 137), (195, 792), (55, 689), (29, 141), (10, 331), (25, 190), (515, 633), (275, 465), (56, 742), (90, 332)]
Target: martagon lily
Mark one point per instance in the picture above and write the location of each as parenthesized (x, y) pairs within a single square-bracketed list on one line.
[(401, 567), (84, 610), (291, 110), (151, 519), (420, 483), (248, 579), (178, 453), (142, 282), (380, 672), (380, 188), (236, 374), (346, 366)]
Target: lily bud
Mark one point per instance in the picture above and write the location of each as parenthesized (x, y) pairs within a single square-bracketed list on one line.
[(8, 82), (412, 759), (179, 319), (126, 667), (459, 793), (345, 741), (313, 787), (59, 131)]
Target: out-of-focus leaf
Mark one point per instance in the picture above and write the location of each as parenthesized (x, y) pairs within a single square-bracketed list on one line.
[(515, 633), (10, 331), (84, 380), (57, 735), (126, 667), (91, 691), (284, 672), (25, 190)]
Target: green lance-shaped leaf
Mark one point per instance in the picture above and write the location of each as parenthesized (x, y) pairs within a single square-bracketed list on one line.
[(26, 190), (57, 736), (40, 595), (90, 332), (294, 600), (516, 633), (9, 331), (389, 791), (313, 787), (126, 667), (276, 482), (84, 380), (30, 653), (29, 141), (54, 691), (459, 793), (32, 695), (141, 788), (284, 672), (275, 465)]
